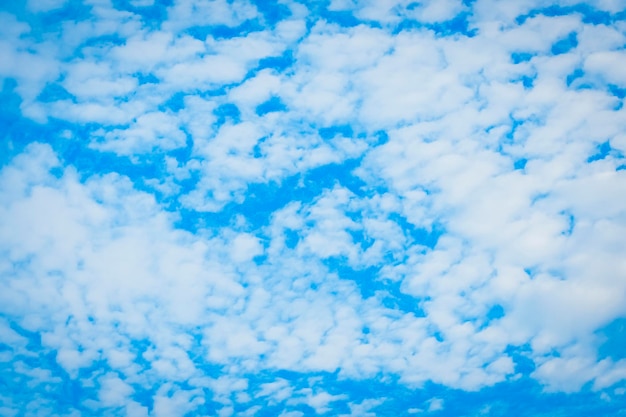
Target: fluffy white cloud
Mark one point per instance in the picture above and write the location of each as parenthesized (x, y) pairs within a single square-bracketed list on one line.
[(396, 11), (490, 141), (189, 13), (147, 132)]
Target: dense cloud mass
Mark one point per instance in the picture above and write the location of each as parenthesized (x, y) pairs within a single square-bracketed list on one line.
[(345, 207)]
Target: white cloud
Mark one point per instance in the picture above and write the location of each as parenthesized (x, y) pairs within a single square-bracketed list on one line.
[(148, 132), (364, 408), (96, 80), (188, 13), (437, 11), (206, 73), (113, 391), (9, 337), (146, 51), (256, 90), (606, 64), (171, 400), (395, 11), (319, 401), (45, 5), (93, 264), (278, 391), (245, 247), (435, 404)]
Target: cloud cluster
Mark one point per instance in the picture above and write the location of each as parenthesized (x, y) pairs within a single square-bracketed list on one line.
[(366, 191)]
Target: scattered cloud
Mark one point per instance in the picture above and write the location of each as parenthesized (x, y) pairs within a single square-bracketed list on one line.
[(283, 208)]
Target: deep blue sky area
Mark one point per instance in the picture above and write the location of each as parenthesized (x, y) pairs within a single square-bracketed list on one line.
[(300, 208)]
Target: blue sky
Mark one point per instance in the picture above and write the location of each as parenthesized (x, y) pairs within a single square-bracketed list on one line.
[(302, 208)]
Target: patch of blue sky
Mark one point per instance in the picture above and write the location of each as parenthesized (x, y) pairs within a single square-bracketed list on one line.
[(20, 375), (224, 31), (423, 236), (274, 104), (90, 162), (372, 283), (459, 25), (577, 74), (523, 398), (326, 177), (278, 63), (12, 126), (262, 199), (617, 91), (589, 13), (87, 161), (16, 132), (54, 92), (495, 312), (578, 80), (520, 163), (519, 57), (393, 298), (561, 46), (342, 18), (42, 23), (330, 132), (273, 11), (521, 356), (19, 132), (175, 102), (227, 112), (603, 150), (152, 14), (613, 339), (145, 78), (184, 154), (565, 45), (105, 40)]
